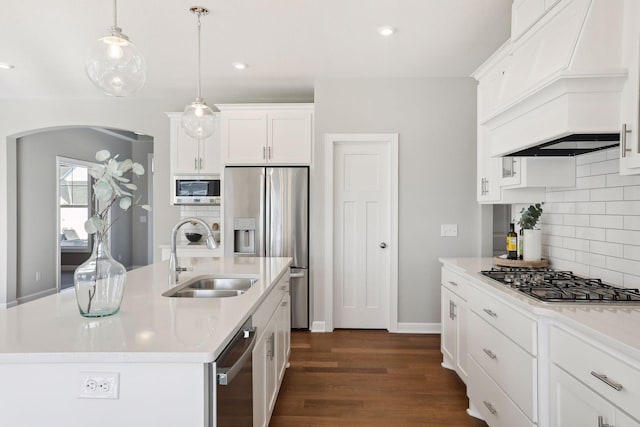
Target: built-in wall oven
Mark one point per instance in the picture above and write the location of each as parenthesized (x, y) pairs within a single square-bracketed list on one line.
[(232, 380)]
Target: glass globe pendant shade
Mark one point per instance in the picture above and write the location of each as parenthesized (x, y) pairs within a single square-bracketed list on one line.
[(198, 119), (115, 65)]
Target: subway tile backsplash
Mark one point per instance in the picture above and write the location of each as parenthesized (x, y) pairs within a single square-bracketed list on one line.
[(594, 228)]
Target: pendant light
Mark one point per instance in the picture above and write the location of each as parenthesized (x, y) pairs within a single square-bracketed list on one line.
[(114, 64), (197, 119)]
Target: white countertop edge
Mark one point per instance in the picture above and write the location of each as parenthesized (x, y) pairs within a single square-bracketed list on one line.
[(207, 353), (547, 310)]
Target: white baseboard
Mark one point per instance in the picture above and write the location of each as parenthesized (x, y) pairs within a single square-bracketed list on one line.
[(403, 328), (8, 304), (418, 328), (37, 295), (318, 326)]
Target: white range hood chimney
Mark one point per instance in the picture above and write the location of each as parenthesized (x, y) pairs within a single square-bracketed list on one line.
[(557, 90)]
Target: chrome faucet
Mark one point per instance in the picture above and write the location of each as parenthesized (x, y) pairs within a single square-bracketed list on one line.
[(174, 269)]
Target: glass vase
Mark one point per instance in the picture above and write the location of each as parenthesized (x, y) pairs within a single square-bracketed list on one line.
[(99, 282)]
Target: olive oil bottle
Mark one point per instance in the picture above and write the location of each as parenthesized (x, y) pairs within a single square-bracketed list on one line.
[(512, 243)]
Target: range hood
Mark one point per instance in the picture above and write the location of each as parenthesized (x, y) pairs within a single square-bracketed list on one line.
[(571, 145), (562, 83)]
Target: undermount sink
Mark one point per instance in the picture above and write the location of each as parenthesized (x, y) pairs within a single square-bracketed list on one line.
[(211, 287)]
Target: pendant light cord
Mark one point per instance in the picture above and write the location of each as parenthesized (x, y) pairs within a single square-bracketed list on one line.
[(199, 60), (115, 13)]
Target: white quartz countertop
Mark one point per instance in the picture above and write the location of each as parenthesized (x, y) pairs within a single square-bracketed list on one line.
[(617, 325), (149, 327)]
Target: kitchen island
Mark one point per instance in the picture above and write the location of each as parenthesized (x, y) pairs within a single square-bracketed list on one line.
[(527, 362), (157, 348)]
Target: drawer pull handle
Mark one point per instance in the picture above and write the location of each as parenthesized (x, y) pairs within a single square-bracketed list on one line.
[(601, 422), (490, 353), (490, 407), (490, 312), (607, 381), (453, 283)]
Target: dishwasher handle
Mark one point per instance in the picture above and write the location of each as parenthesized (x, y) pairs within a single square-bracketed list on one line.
[(226, 374)]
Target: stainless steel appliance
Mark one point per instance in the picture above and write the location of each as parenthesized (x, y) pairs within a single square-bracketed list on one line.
[(266, 213), (549, 285), (196, 190), (234, 381)]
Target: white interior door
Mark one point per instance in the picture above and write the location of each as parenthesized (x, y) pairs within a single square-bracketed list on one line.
[(361, 234)]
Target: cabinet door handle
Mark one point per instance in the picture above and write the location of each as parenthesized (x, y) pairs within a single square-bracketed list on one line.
[(195, 163), (264, 153), (490, 312), (271, 346), (450, 309), (490, 353), (490, 407), (623, 140), (607, 381), (200, 163), (453, 283), (453, 312), (269, 151), (601, 422)]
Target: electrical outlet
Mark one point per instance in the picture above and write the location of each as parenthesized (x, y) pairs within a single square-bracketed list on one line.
[(448, 230), (99, 385)]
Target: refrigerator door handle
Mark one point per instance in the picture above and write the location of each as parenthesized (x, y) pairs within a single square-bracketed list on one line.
[(267, 210)]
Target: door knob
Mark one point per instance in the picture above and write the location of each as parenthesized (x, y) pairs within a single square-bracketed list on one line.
[(383, 245)]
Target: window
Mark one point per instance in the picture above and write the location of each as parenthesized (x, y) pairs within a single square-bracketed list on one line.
[(75, 207)]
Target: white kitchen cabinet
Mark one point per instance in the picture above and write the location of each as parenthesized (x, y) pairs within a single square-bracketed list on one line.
[(502, 342), (488, 401), (574, 404), (630, 105), (271, 352), (190, 156), (605, 376), (283, 339), (454, 314), (266, 133)]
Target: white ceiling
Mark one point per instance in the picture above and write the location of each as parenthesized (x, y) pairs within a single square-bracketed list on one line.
[(287, 43)]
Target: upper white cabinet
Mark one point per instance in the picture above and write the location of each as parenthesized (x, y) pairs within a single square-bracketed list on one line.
[(266, 133), (190, 156), (630, 106)]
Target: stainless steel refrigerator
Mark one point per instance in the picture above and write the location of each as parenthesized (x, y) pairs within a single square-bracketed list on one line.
[(266, 213)]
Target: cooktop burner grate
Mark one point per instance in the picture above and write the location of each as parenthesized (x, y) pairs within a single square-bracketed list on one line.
[(550, 285)]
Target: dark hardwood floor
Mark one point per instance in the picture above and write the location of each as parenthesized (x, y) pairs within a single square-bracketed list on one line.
[(369, 378)]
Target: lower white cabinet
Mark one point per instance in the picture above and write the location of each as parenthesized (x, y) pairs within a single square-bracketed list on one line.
[(589, 382), (454, 313), (573, 404), (271, 352)]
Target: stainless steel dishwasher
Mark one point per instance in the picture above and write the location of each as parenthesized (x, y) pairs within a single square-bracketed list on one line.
[(234, 381)]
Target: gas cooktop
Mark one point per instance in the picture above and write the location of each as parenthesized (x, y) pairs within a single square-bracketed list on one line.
[(549, 285)]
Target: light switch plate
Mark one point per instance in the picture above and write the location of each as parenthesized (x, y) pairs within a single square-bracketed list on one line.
[(448, 230)]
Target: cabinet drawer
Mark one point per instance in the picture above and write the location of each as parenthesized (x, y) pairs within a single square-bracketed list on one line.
[(493, 404), (581, 358), (511, 322), (269, 305), (512, 368), (454, 282)]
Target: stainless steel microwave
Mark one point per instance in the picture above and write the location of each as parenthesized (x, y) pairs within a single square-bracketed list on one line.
[(196, 190)]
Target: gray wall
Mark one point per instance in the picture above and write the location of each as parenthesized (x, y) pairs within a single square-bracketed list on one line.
[(37, 205), (436, 123)]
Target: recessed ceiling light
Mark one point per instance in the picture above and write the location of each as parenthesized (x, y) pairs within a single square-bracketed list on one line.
[(6, 66), (239, 65), (386, 31)]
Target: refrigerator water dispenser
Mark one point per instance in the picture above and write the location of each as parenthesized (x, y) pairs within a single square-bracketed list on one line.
[(244, 235)]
